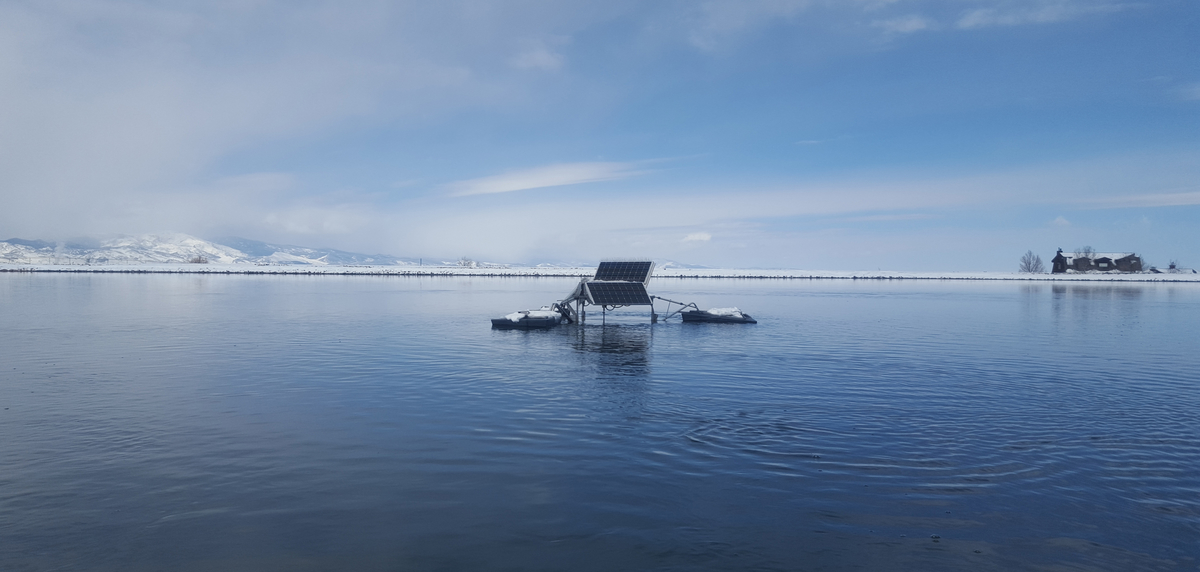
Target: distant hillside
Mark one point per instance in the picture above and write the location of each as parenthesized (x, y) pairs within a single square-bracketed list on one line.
[(181, 248), (291, 254)]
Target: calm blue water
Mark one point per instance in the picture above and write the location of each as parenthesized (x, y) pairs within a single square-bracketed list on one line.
[(376, 423)]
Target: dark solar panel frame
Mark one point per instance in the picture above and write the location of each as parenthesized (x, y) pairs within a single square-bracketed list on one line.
[(618, 294), (627, 271)]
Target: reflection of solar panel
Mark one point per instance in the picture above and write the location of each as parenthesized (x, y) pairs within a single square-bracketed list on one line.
[(618, 294), (628, 271)]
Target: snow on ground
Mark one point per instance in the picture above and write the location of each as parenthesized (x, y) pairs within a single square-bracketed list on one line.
[(673, 273), (286, 258), (734, 312), (145, 249), (181, 248), (543, 313)]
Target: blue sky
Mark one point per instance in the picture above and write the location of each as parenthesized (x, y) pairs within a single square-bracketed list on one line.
[(896, 134)]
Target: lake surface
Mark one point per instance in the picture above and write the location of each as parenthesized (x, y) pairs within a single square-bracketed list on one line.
[(159, 422)]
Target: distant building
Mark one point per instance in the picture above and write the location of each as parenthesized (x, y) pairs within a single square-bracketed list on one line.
[(1096, 262), (1174, 269)]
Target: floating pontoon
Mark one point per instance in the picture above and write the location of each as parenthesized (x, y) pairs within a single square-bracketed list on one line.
[(529, 320), (616, 284), (718, 316)]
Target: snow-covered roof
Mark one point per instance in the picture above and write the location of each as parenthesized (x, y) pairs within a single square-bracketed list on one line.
[(1070, 256)]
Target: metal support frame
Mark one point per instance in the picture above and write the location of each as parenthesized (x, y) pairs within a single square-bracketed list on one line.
[(670, 313), (578, 313)]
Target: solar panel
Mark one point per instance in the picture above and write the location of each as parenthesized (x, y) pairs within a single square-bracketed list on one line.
[(625, 271), (618, 294)]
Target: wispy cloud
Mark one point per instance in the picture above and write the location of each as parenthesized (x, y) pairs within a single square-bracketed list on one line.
[(548, 176), (891, 217), (905, 24), (537, 55), (252, 183), (321, 220), (1045, 13), (130, 116), (538, 59), (772, 222), (824, 141), (719, 19), (1147, 200)]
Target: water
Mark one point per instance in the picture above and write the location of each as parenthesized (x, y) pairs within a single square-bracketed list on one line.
[(374, 423)]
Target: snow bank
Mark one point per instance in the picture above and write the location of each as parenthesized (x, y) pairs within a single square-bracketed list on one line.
[(543, 313), (680, 273)]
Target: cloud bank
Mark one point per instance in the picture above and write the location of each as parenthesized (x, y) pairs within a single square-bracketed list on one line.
[(293, 123)]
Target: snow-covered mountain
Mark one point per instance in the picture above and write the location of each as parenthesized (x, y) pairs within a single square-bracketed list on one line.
[(265, 252), (674, 265), (179, 248)]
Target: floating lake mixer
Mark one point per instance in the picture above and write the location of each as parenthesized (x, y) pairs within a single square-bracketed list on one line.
[(616, 284)]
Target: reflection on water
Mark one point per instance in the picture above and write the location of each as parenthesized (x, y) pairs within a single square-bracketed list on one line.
[(614, 350), (1099, 291), (1084, 305), (247, 423), (618, 360)]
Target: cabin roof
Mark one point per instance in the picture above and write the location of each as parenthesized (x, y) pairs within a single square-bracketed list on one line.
[(1070, 256)]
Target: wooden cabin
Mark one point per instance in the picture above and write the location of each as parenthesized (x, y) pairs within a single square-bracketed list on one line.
[(1097, 262)]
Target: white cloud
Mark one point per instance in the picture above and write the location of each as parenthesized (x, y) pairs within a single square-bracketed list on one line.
[(1061, 221), (891, 217), (322, 220), (698, 237), (252, 184), (117, 116), (120, 107), (1038, 13), (713, 24), (538, 57), (548, 176), (717, 20), (905, 24), (1146, 200), (742, 213)]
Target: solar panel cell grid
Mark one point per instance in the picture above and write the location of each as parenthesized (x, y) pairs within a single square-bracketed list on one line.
[(629, 271), (619, 293)]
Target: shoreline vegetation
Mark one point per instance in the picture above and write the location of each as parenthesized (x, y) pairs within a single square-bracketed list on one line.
[(564, 272)]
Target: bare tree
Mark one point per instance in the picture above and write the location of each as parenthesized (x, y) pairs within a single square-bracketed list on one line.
[(1032, 263), (1085, 252)]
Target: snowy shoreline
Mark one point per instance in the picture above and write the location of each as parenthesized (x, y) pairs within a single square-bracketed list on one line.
[(555, 272)]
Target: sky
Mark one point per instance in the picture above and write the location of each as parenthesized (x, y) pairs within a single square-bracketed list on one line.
[(840, 135)]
